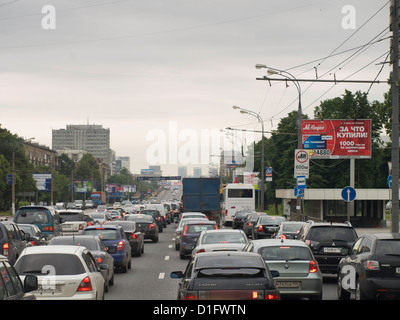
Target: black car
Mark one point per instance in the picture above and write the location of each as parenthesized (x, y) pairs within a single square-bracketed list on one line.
[(226, 276), (96, 248), (11, 287), (372, 268), (239, 218), (12, 240), (266, 226), (249, 222), (157, 218), (134, 235), (329, 242), (146, 225)]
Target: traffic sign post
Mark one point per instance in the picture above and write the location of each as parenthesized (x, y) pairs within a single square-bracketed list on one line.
[(348, 195)]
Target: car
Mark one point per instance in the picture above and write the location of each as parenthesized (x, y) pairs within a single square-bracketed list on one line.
[(249, 222), (11, 286), (371, 270), (226, 276), (89, 204), (101, 217), (146, 225), (12, 240), (115, 214), (299, 273), (117, 244), (96, 248), (179, 229), (239, 218), (64, 272), (266, 226), (134, 235), (289, 229), (220, 240), (79, 204), (74, 221), (101, 208), (157, 218), (35, 236), (329, 242), (190, 233), (46, 218), (160, 208)]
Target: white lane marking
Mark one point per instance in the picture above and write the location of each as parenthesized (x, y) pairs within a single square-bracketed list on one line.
[(161, 275), (170, 246), (166, 258)]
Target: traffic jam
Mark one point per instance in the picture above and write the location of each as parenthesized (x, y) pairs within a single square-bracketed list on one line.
[(76, 254)]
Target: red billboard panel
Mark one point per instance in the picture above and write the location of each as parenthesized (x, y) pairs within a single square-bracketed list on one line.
[(336, 139)]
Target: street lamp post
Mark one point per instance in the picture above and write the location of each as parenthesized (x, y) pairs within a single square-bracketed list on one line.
[(245, 111), (299, 113)]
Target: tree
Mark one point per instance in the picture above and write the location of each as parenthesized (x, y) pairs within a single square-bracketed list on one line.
[(88, 169)]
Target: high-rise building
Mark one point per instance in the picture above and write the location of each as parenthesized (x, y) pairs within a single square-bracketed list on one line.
[(92, 138)]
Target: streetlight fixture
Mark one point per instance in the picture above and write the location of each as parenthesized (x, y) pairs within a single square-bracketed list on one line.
[(254, 114), (292, 78)]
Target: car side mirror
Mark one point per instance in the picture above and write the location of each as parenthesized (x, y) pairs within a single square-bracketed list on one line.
[(30, 283)]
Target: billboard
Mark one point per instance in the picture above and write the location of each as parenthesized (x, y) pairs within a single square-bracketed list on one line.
[(337, 139)]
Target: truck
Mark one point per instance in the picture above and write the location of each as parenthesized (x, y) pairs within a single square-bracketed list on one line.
[(98, 197), (202, 195)]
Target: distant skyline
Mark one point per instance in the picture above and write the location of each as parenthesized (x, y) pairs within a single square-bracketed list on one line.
[(176, 68)]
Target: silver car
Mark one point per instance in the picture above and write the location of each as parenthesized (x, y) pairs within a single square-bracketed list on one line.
[(299, 273)]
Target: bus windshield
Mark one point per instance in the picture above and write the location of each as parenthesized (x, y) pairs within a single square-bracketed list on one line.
[(240, 193)]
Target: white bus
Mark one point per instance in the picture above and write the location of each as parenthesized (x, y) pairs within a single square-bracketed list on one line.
[(237, 197)]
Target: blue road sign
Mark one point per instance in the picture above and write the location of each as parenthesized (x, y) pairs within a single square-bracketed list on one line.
[(301, 182), (298, 192), (348, 194), (389, 180)]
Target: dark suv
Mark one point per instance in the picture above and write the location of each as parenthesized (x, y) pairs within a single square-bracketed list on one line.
[(12, 240), (329, 242)]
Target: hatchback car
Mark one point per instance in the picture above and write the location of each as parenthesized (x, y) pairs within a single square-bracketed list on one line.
[(179, 229), (73, 221), (226, 276), (134, 235), (249, 222), (11, 286), (12, 240), (372, 268), (190, 233), (289, 229), (266, 226), (239, 218), (146, 225), (329, 242), (96, 248), (117, 244), (63, 272), (220, 240), (157, 218), (299, 274)]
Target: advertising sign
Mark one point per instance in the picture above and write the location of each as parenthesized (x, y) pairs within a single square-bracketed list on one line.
[(337, 139), (43, 181)]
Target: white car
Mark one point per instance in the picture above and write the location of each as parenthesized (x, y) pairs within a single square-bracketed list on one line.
[(64, 272), (220, 240)]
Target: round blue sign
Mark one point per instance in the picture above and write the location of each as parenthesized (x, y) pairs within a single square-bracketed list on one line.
[(348, 194)]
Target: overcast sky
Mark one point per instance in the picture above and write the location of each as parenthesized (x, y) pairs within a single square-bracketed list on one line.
[(145, 67)]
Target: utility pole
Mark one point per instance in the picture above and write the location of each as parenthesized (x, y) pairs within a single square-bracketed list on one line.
[(394, 50)]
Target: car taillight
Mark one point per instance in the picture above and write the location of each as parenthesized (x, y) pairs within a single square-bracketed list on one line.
[(81, 226), (271, 296), (282, 236), (159, 219), (99, 260), (184, 231), (201, 250), (134, 236), (313, 267), (260, 228), (5, 249), (85, 285), (190, 295), (372, 265), (50, 228), (120, 246), (152, 226)]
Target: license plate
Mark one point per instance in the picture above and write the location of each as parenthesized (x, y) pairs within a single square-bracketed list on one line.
[(398, 270), (287, 284), (332, 250), (49, 289)]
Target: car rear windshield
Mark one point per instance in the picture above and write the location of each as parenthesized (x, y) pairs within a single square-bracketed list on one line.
[(103, 233), (271, 220), (89, 244), (229, 261), (197, 228), (49, 264), (285, 252), (291, 227), (153, 213), (134, 217), (72, 216), (388, 247), (330, 233), (224, 237), (33, 215), (231, 272)]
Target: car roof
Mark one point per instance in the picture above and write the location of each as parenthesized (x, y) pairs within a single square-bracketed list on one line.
[(279, 242), (63, 249), (104, 226), (202, 221), (384, 236), (224, 231)]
